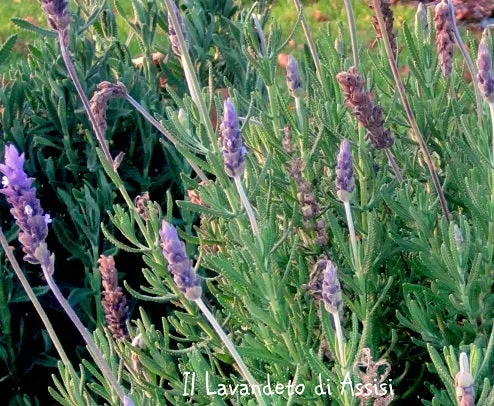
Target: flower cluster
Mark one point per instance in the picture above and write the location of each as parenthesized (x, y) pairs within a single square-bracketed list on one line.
[(233, 147), (363, 108), (444, 37), (331, 290), (389, 21), (114, 301), (293, 80), (172, 33), (100, 99), (58, 16), (26, 208), (485, 75), (344, 172), (179, 264)]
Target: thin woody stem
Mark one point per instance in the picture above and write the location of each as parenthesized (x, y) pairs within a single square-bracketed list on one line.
[(394, 166), (353, 237), (232, 350), (32, 297), (85, 102), (353, 31), (310, 41), (248, 208), (468, 61), (155, 123), (408, 109)]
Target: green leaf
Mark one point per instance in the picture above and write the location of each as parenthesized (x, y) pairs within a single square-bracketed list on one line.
[(26, 25), (6, 48)]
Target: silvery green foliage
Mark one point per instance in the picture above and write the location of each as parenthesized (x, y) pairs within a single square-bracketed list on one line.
[(421, 296)]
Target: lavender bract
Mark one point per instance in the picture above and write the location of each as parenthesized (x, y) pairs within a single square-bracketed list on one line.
[(233, 148), (293, 80), (179, 264), (58, 16), (172, 33), (344, 172), (485, 74), (331, 290), (114, 302), (26, 208)]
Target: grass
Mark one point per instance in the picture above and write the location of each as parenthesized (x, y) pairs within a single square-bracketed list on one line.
[(284, 11)]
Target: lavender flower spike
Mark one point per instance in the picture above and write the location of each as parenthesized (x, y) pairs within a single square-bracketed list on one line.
[(172, 33), (58, 16), (344, 172), (485, 74), (233, 148), (179, 264), (26, 209), (331, 290), (293, 80)]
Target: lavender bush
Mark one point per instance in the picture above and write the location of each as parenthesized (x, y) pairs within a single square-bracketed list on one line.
[(304, 271)]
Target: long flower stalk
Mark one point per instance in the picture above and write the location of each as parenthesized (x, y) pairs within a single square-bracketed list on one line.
[(408, 110), (34, 300), (353, 31), (156, 124), (468, 61), (310, 41), (190, 75), (232, 350), (85, 102), (353, 237), (93, 349), (248, 208), (189, 283)]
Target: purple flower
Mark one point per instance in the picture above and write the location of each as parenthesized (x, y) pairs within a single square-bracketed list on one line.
[(485, 75), (344, 172), (331, 290), (233, 148), (58, 16), (179, 264), (172, 34), (293, 80), (26, 209)]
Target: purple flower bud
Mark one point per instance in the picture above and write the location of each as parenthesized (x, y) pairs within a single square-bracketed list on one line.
[(485, 75), (57, 15), (26, 209), (179, 264), (344, 172), (331, 290), (293, 80), (172, 33), (233, 148)]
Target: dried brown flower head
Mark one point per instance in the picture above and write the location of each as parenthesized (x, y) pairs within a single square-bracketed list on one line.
[(363, 108), (389, 21), (100, 99), (444, 37), (114, 301)]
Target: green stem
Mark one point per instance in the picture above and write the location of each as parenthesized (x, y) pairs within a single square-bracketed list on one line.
[(232, 350), (163, 131), (310, 41), (248, 208), (93, 349), (34, 300), (191, 78), (408, 109), (353, 31), (353, 238), (274, 113), (394, 166)]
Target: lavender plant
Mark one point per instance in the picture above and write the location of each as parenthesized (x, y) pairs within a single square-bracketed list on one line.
[(242, 294)]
